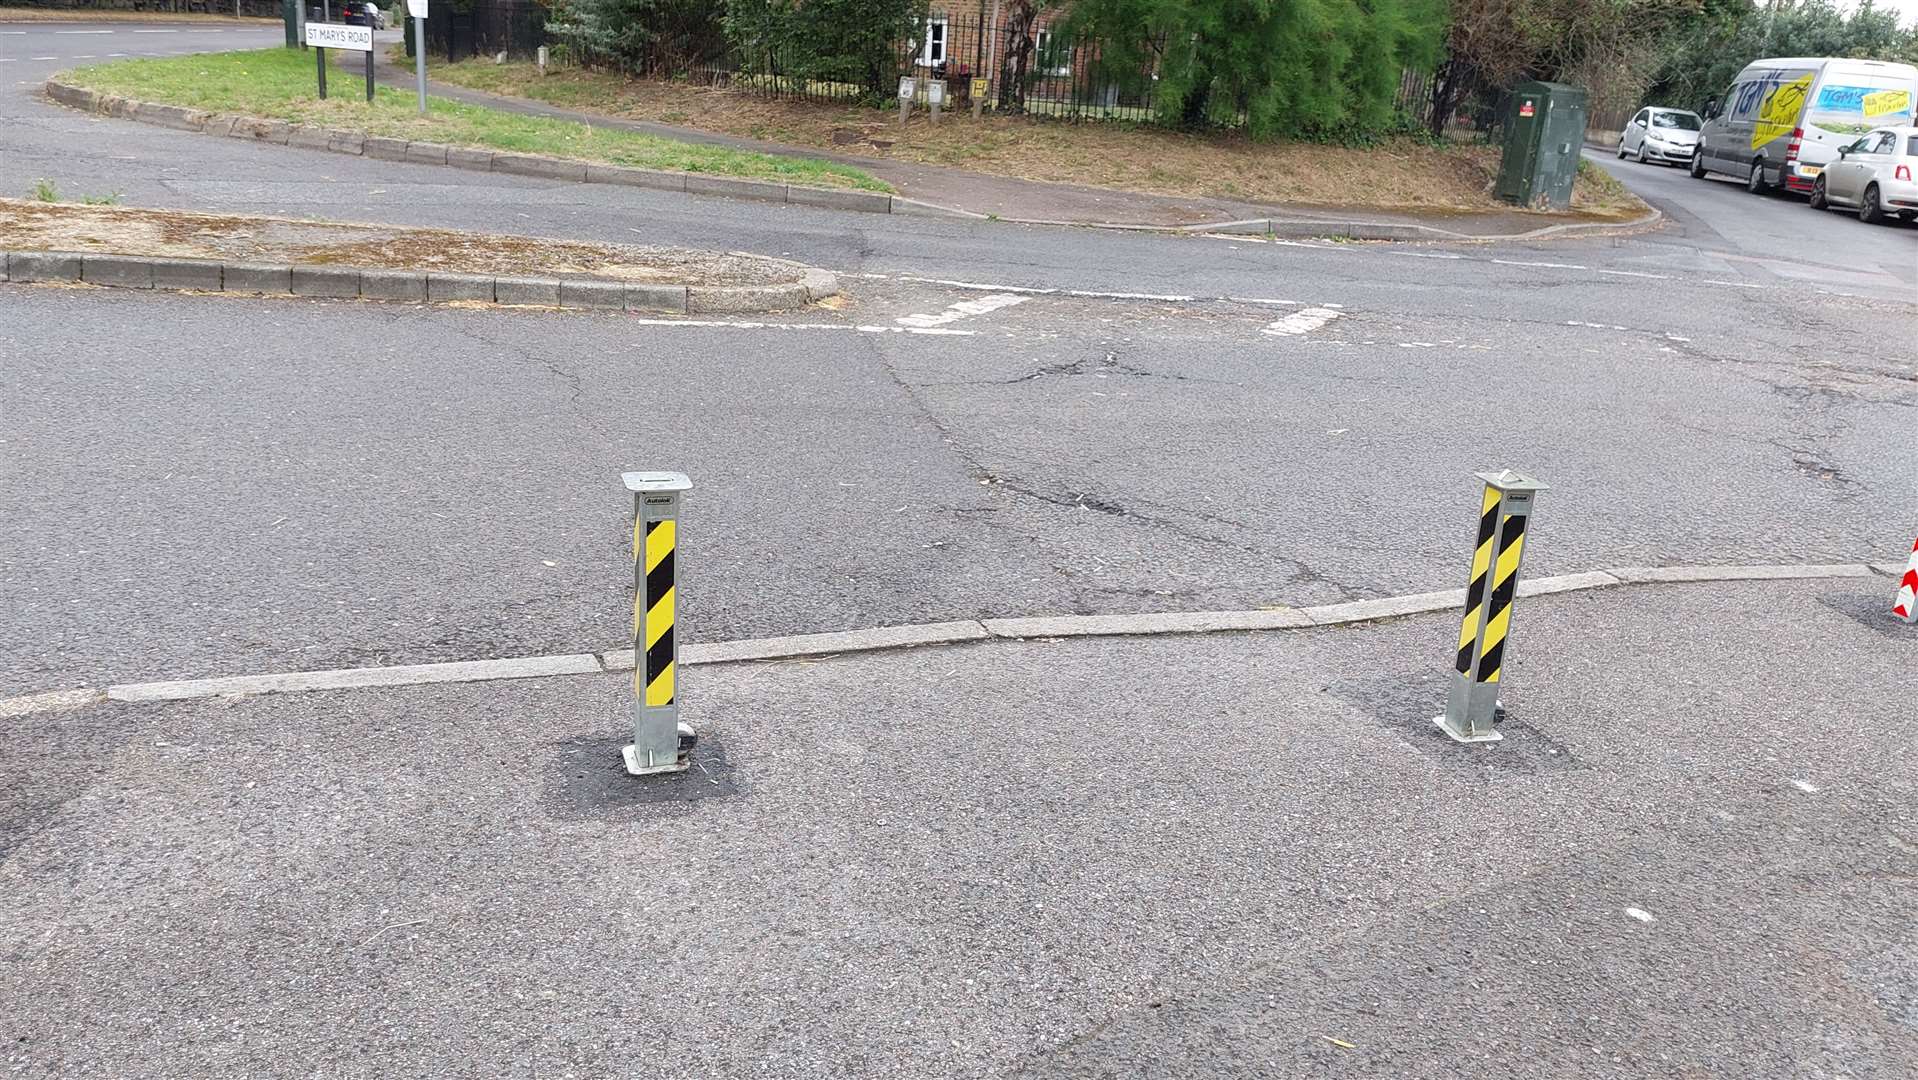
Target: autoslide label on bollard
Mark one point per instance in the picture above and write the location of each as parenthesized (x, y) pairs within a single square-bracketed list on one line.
[(339, 36)]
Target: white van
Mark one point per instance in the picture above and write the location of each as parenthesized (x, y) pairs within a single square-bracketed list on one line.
[(1783, 120)]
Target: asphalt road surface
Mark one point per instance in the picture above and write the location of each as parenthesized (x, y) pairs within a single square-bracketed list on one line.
[(208, 485)]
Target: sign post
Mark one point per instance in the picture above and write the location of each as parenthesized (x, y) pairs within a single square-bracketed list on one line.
[(935, 96), (980, 88), (417, 9), (906, 90), (325, 35)]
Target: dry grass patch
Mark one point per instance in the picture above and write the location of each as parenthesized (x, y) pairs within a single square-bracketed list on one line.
[(1403, 173)]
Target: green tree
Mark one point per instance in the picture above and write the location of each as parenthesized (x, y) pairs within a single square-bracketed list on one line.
[(647, 36), (863, 42), (1290, 67), (1704, 58)]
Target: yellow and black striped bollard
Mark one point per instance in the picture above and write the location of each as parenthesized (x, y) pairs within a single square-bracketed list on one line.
[(660, 742), (1472, 705)]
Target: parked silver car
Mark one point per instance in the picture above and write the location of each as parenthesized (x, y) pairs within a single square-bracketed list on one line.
[(1873, 174), (1667, 136)]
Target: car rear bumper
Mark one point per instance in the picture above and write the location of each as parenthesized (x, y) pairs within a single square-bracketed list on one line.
[(1898, 194)]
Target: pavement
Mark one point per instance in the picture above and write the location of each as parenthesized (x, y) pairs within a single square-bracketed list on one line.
[(1230, 855)]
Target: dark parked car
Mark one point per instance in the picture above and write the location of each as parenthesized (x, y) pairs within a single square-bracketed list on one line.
[(362, 13)]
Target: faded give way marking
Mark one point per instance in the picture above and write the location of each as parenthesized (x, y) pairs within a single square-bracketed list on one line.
[(962, 309), (1301, 322)]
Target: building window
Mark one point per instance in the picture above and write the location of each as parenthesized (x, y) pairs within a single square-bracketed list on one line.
[(1050, 55), (935, 50)]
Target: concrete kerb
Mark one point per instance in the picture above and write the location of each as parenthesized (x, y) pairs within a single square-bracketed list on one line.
[(372, 283), (962, 632), (847, 199)]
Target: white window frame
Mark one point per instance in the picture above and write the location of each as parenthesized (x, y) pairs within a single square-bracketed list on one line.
[(1039, 42), (944, 26)]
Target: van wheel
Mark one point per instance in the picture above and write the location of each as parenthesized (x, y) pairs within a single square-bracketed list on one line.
[(1698, 164), (1817, 201), (1869, 211), (1755, 183)]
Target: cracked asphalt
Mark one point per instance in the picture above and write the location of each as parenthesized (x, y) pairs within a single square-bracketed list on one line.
[(1172, 858), (208, 485)]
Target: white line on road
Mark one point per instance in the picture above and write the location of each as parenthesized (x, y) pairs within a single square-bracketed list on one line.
[(1259, 300), (1130, 296), (1595, 325), (744, 325), (83, 31), (980, 286), (1635, 273), (962, 309), (43, 58), (1301, 322), (1733, 284), (1425, 254), (1547, 265), (156, 31)]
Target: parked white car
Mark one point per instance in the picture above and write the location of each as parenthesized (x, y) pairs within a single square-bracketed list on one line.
[(1667, 136), (1873, 175)]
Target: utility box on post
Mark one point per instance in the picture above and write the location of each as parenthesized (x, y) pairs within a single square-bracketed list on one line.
[(1543, 134)]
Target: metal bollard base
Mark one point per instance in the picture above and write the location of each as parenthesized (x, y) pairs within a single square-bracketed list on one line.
[(1487, 737), (688, 738)]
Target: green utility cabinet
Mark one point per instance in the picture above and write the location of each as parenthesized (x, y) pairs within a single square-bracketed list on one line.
[(1543, 133)]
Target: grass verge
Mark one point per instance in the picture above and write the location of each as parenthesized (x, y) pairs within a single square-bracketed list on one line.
[(280, 84), (1403, 174)]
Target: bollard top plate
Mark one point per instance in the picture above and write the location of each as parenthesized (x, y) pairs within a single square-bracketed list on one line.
[(640, 482), (1512, 480)]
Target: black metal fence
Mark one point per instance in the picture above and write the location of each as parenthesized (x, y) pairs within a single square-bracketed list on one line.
[(485, 28), (1036, 69)]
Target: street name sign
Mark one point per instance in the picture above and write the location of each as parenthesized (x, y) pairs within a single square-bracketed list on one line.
[(339, 36)]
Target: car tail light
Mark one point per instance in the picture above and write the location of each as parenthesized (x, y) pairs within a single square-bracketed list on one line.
[(1797, 141), (1902, 172)]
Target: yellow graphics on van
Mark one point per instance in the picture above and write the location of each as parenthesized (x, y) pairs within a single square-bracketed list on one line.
[(1886, 103), (1778, 112)]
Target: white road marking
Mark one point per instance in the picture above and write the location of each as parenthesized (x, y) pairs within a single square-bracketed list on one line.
[(1301, 322), (1595, 325), (1733, 284), (1640, 914), (43, 58), (156, 31), (1547, 265), (1417, 345), (116, 54), (1635, 273), (83, 31), (1131, 296), (87, 56), (962, 309), (1807, 788), (1260, 300), (745, 325), (1424, 254), (14, 33), (980, 286)]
